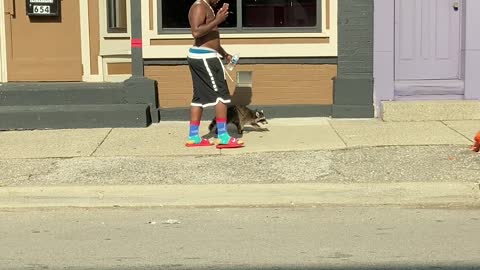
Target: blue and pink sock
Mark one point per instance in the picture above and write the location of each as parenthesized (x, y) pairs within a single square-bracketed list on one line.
[(223, 135), (193, 135)]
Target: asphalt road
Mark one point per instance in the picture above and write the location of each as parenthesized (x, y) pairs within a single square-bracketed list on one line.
[(234, 238)]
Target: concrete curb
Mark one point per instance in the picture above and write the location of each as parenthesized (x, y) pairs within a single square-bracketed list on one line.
[(281, 195)]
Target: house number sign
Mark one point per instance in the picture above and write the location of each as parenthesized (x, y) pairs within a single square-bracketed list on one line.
[(43, 7)]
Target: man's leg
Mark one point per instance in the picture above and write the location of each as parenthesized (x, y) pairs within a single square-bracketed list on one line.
[(195, 117), (223, 136), (221, 118)]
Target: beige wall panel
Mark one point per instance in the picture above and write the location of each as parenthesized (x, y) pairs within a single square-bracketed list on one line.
[(119, 68), (150, 14), (93, 15), (328, 19), (273, 84), (44, 48)]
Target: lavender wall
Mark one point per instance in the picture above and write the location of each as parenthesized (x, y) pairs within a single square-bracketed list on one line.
[(384, 54), (472, 49)]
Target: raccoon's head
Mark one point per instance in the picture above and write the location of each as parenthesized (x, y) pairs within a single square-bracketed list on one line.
[(260, 117)]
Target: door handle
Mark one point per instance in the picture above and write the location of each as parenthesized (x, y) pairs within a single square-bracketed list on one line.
[(10, 7), (456, 5)]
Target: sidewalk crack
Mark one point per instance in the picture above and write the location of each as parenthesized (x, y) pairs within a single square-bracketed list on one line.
[(338, 134), (100, 144), (456, 131)]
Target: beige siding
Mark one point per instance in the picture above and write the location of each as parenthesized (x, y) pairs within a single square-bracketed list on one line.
[(119, 68), (94, 35), (273, 84)]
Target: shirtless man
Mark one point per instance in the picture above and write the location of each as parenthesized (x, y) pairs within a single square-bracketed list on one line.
[(208, 73)]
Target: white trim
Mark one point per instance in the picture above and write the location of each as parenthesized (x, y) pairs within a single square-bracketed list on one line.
[(145, 20), (248, 50), (3, 44), (85, 39), (324, 16), (100, 67), (324, 34), (155, 17), (115, 47), (203, 55), (333, 31), (210, 104), (93, 78)]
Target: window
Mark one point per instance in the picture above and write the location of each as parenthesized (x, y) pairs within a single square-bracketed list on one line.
[(117, 16), (175, 14), (248, 15), (279, 13)]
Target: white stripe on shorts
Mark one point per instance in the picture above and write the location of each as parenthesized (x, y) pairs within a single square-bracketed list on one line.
[(211, 75)]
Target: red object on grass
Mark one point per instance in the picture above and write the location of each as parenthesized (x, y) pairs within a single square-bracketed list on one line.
[(476, 145)]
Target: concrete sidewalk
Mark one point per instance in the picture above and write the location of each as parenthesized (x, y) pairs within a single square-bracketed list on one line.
[(167, 138), (316, 161)]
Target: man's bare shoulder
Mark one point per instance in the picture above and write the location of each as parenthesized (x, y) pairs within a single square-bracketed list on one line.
[(197, 6), (197, 10)]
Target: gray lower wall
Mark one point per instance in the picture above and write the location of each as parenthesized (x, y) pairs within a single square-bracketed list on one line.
[(133, 103), (353, 86), (271, 112)]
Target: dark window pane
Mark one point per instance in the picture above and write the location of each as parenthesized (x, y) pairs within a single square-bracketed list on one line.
[(117, 16), (175, 13), (279, 13)]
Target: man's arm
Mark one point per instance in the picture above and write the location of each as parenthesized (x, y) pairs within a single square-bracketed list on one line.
[(227, 56), (197, 19), (224, 53)]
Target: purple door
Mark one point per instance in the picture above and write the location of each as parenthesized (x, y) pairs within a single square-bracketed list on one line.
[(427, 39)]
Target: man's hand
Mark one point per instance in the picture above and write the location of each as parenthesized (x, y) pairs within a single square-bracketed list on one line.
[(222, 15), (225, 55), (228, 58)]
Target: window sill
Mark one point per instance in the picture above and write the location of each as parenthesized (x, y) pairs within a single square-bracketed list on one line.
[(247, 35), (116, 35)]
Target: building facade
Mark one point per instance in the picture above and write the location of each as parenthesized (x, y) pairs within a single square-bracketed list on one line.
[(298, 57)]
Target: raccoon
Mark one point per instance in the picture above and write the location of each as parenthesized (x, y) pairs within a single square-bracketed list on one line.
[(241, 115)]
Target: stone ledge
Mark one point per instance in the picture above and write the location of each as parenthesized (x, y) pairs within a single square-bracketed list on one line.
[(431, 110)]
